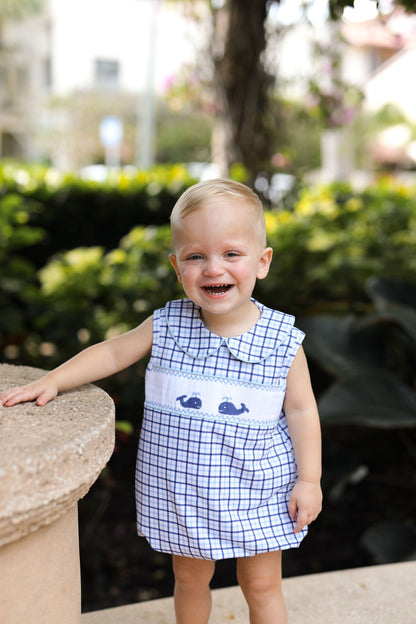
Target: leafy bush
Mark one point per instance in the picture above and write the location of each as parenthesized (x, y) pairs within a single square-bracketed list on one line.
[(333, 241), (361, 334), (325, 249), (373, 358), (101, 294), (18, 292), (81, 213), (183, 136), (89, 295), (345, 262), (42, 214), (370, 360)]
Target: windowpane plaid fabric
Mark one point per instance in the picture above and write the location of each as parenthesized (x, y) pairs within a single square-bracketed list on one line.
[(215, 463)]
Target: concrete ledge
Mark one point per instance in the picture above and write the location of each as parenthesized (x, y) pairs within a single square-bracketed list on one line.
[(373, 595), (50, 456), (40, 575)]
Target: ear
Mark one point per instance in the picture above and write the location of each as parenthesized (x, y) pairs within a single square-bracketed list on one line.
[(264, 262), (174, 263)]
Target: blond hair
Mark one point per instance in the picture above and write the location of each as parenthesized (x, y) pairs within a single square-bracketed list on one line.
[(207, 191)]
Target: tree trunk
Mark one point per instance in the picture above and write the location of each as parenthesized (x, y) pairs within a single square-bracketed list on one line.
[(241, 84)]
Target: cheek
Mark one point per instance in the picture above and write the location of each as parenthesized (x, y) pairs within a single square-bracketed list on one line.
[(246, 272), (186, 275)]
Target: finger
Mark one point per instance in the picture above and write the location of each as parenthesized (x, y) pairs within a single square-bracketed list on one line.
[(19, 395), (301, 521), (8, 397), (45, 397), (292, 508), (6, 394)]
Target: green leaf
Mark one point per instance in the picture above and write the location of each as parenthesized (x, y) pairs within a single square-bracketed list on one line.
[(369, 399), (403, 316), (328, 341), (390, 541), (385, 292), (124, 426)]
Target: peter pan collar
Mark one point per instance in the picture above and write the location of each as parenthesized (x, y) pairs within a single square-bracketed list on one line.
[(191, 336)]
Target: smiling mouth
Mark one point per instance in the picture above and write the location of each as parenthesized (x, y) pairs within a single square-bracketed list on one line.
[(217, 289)]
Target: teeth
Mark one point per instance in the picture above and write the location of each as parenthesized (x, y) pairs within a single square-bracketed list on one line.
[(217, 289)]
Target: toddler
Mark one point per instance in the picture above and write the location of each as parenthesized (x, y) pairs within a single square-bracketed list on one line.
[(229, 458)]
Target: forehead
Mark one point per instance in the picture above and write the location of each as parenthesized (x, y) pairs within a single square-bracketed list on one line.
[(223, 208), (228, 216)]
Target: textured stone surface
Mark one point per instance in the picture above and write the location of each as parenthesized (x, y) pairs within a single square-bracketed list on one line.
[(372, 595), (51, 455), (40, 575)]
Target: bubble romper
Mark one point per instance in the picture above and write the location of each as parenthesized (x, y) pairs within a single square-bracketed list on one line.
[(215, 464)]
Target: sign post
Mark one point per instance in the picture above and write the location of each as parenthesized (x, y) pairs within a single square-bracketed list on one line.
[(111, 137)]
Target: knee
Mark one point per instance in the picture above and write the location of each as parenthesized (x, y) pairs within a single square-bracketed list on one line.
[(258, 587), (192, 573)]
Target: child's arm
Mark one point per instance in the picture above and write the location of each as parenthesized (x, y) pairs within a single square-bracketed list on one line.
[(303, 421), (100, 360)]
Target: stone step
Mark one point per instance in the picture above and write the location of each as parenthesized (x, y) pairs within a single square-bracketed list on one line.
[(384, 594)]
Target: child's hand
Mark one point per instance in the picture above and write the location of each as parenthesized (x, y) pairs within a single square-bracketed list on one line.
[(305, 503), (43, 390)]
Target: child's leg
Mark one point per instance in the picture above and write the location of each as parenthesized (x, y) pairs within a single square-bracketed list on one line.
[(260, 578), (192, 592)]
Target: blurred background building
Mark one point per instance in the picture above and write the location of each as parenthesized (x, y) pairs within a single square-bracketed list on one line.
[(71, 63), (71, 69)]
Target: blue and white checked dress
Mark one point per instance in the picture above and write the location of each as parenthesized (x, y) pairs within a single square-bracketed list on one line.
[(215, 463)]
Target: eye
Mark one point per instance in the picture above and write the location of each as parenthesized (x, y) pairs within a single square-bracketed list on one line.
[(232, 254), (194, 257)]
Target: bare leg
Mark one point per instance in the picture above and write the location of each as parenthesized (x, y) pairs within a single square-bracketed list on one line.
[(192, 593), (260, 578)]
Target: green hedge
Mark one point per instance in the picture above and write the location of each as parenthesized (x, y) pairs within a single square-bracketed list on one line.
[(78, 213), (325, 250), (344, 264), (333, 241)]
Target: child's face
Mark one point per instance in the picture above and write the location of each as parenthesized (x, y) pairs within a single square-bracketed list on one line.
[(218, 256)]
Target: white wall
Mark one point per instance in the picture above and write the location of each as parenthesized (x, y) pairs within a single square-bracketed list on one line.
[(84, 30), (394, 83)]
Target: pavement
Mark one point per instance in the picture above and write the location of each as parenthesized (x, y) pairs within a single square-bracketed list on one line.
[(384, 594)]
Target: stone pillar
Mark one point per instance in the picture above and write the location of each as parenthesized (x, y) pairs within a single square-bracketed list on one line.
[(49, 458)]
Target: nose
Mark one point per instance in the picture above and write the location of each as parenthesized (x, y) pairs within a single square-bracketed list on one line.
[(213, 267)]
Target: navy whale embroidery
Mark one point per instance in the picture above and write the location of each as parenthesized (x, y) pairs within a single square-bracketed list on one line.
[(230, 409), (192, 403)]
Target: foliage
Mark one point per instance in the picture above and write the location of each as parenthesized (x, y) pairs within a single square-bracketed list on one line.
[(297, 134), (87, 295), (333, 241), (17, 274), (103, 294), (389, 115), (183, 136), (17, 9), (191, 88), (125, 199), (326, 247), (341, 259), (371, 360), (334, 101), (181, 133), (336, 7), (43, 213)]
